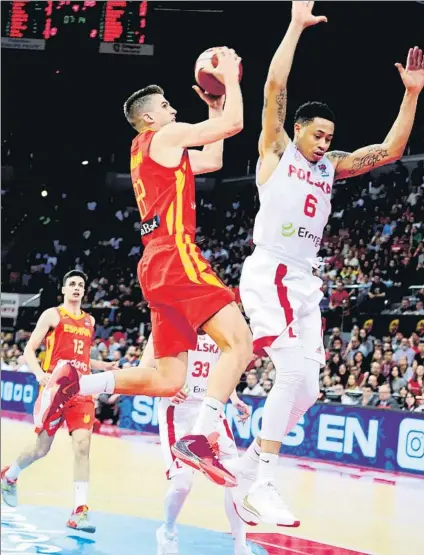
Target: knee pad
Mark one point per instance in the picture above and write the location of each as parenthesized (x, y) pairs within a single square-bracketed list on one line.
[(182, 481), (310, 388), (289, 365)]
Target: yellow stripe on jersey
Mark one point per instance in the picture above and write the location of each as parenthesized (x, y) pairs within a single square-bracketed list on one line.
[(49, 351), (202, 266), (136, 160), (179, 229), (170, 219), (211, 279)]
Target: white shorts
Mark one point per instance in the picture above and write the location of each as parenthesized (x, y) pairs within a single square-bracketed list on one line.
[(176, 421), (282, 303)]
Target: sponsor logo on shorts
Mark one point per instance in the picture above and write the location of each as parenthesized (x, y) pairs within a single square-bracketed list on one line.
[(77, 364), (288, 230), (149, 226)]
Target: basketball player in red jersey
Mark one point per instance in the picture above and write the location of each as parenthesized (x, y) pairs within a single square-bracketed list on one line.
[(68, 333), (183, 292)]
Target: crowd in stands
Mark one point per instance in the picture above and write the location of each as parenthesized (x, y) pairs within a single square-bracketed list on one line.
[(373, 262)]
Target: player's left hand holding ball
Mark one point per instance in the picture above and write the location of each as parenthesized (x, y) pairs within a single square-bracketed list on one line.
[(216, 103)]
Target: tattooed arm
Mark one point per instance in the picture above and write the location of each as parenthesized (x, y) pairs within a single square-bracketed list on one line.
[(274, 140), (367, 158)]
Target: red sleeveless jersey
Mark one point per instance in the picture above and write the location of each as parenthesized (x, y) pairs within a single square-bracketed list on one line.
[(70, 340), (165, 196)]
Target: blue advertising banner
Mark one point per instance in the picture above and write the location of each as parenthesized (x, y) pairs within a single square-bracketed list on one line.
[(372, 438), (19, 390)]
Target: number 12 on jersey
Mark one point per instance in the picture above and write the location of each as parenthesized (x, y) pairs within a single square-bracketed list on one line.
[(78, 346)]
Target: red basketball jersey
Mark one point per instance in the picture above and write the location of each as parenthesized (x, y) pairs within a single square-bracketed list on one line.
[(165, 196), (70, 340)]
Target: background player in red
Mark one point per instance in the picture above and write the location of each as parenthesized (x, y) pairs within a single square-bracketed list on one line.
[(68, 333), (183, 292)]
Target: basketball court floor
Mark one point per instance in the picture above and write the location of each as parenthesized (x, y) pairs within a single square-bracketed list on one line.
[(343, 511)]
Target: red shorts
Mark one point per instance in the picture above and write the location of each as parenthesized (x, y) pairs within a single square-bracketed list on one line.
[(78, 414), (183, 293)]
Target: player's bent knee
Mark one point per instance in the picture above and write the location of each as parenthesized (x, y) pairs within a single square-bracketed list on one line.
[(229, 330), (173, 371), (41, 451), (182, 482)]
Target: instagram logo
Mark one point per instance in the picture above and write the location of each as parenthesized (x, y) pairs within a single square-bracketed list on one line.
[(410, 453)]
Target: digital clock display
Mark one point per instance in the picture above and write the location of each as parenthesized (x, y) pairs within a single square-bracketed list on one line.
[(119, 22)]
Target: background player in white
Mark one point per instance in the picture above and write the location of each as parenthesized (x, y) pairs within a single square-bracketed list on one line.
[(279, 293), (177, 416)]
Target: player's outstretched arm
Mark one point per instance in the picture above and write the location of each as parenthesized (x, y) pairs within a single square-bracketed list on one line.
[(209, 159), (228, 124), (48, 320), (273, 138), (351, 164)]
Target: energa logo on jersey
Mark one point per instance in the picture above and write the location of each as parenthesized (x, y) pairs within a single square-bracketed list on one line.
[(288, 230)]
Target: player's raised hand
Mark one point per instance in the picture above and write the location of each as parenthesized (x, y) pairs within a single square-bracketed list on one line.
[(413, 75), (216, 103), (302, 14)]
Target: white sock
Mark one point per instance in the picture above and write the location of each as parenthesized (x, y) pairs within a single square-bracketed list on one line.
[(208, 417), (103, 382), (81, 494), (268, 465), (175, 499), (238, 529), (250, 457), (13, 472)]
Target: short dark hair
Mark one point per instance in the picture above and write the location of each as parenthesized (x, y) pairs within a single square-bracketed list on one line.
[(310, 110), (137, 102), (75, 273)]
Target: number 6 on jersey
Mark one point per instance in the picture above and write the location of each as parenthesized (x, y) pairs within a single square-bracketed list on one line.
[(310, 207)]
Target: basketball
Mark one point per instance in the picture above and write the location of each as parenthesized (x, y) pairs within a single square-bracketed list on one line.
[(206, 80)]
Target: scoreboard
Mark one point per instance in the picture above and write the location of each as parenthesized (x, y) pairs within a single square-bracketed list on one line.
[(37, 25)]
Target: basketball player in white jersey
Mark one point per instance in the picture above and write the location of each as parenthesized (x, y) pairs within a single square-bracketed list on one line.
[(278, 290), (177, 416)]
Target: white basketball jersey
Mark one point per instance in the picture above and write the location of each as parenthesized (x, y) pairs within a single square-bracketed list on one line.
[(200, 363), (295, 204)]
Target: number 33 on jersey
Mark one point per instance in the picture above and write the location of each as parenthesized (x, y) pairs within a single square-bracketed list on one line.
[(200, 362)]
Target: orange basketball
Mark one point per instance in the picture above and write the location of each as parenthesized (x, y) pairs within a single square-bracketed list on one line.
[(206, 81)]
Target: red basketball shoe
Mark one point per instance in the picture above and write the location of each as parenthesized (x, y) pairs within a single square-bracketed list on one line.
[(197, 452)]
